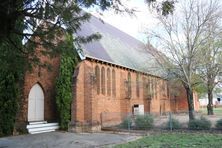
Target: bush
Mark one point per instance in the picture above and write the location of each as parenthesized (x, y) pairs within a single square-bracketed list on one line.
[(144, 121), (9, 95), (126, 123), (64, 83), (175, 124), (219, 124), (199, 124)]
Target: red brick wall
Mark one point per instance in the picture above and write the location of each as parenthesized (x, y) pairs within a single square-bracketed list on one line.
[(88, 106), (179, 100), (46, 79)]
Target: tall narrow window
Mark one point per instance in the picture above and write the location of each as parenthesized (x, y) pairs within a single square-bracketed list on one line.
[(155, 89), (164, 90), (103, 80), (145, 84), (97, 73), (129, 86), (149, 88), (152, 88), (137, 86), (108, 82), (114, 83)]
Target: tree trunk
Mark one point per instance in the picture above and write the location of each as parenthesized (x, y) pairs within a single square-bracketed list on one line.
[(210, 103), (189, 92)]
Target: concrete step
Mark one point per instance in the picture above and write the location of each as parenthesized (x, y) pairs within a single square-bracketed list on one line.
[(37, 122), (42, 127)]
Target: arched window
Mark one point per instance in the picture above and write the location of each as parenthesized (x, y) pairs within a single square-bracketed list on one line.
[(114, 83), (149, 88), (145, 87), (154, 87), (108, 82), (129, 85), (103, 80), (97, 73), (164, 88), (137, 86)]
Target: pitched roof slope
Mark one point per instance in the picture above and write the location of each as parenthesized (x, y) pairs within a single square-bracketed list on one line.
[(118, 48)]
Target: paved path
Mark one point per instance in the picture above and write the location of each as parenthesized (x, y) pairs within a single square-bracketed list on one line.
[(65, 140)]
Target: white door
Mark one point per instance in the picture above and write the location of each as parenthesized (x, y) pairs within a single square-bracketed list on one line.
[(36, 104)]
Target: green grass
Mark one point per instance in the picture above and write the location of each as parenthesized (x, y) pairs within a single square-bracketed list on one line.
[(177, 140), (217, 111)]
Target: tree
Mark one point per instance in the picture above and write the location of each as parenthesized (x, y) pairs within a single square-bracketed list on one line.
[(11, 74), (180, 38), (211, 53), (42, 21)]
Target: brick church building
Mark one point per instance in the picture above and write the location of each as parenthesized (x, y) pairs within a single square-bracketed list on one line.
[(116, 75)]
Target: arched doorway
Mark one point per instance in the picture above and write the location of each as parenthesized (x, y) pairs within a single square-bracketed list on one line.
[(36, 103)]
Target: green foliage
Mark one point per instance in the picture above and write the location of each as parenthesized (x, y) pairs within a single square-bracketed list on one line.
[(199, 124), (64, 82), (174, 123), (8, 102), (219, 124), (144, 121), (200, 89), (63, 13), (167, 7), (12, 68), (127, 122)]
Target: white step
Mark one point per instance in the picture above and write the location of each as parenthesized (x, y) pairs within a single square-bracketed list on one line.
[(42, 127), (38, 122)]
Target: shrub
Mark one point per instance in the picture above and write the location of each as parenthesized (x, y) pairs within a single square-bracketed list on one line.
[(9, 95), (126, 123), (144, 121), (64, 83), (199, 124), (219, 124), (175, 124)]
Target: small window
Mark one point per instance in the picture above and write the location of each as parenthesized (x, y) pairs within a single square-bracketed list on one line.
[(97, 73), (103, 80)]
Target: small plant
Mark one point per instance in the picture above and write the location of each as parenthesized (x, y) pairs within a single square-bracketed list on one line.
[(173, 123), (144, 121), (200, 124), (219, 124), (127, 122)]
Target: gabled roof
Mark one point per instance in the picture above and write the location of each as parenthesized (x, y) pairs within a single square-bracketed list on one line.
[(118, 48)]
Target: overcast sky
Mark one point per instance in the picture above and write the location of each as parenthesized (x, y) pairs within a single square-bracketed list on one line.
[(133, 25)]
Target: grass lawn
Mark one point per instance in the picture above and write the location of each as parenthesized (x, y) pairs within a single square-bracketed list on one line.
[(217, 111), (177, 140)]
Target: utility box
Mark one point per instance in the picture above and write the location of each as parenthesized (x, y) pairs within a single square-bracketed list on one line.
[(138, 109)]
